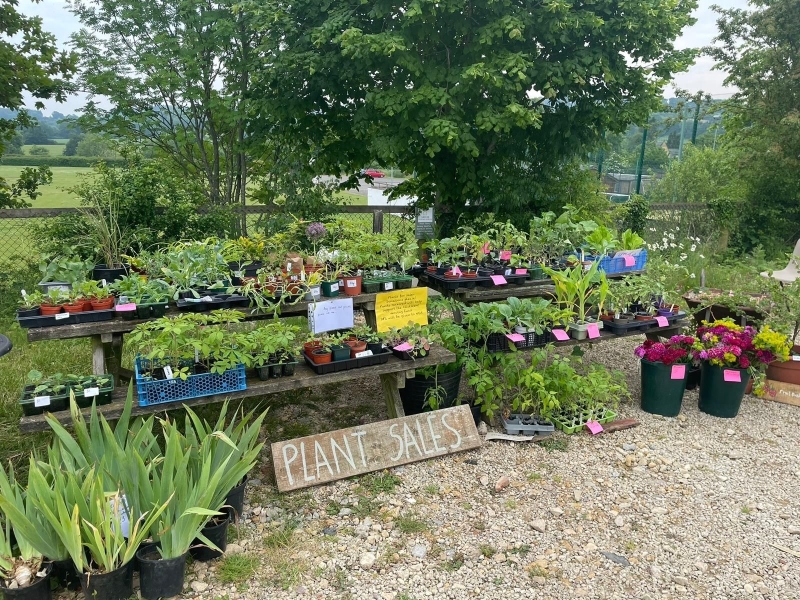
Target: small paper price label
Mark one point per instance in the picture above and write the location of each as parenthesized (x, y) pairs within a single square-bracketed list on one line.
[(732, 376), (404, 347), (62, 316), (505, 255), (123, 299), (508, 272), (168, 372), (41, 401), (662, 321), (206, 299), (24, 293), (796, 357), (103, 282), (351, 283), (515, 337), (593, 331), (678, 372), (341, 283), (91, 392), (498, 280), (560, 335), (364, 353), (334, 287), (388, 286), (315, 293), (521, 272), (594, 427), (628, 260), (485, 248)]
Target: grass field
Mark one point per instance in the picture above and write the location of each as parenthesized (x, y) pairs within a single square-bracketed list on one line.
[(55, 194), (55, 150)]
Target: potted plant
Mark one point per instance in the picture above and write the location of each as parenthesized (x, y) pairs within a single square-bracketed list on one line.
[(313, 285), (780, 305), (62, 272), (577, 290), (601, 242), (105, 237), (315, 232), (42, 393), (664, 371), (318, 349), (29, 304), (729, 355)]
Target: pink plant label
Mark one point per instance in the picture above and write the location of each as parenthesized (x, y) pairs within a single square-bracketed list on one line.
[(515, 337), (499, 280), (560, 335), (594, 427), (456, 271), (628, 260), (485, 248), (505, 255), (521, 272), (732, 376), (662, 321), (404, 347), (593, 331), (124, 307), (678, 371)]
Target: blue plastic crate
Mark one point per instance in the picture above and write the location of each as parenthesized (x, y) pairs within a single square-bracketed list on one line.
[(616, 264), (173, 390)]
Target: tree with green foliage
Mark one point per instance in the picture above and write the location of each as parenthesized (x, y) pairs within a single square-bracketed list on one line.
[(480, 100), (759, 51), (29, 62), (71, 149), (93, 144)]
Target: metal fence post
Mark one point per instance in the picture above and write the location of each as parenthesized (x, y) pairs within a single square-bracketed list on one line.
[(377, 221)]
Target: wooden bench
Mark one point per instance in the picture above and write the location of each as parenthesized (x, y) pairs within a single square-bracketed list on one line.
[(393, 376), (107, 336)]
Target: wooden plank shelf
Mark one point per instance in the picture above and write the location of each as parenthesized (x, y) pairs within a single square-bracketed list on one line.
[(393, 375)]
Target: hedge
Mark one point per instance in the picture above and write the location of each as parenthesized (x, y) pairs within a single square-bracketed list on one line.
[(57, 161)]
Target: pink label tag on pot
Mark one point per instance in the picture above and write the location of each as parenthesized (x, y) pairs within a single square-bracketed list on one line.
[(515, 337), (498, 279), (593, 331), (628, 260), (485, 248), (521, 272), (594, 427), (124, 307), (732, 376), (662, 321), (456, 271), (678, 371), (404, 347), (505, 255), (560, 335)]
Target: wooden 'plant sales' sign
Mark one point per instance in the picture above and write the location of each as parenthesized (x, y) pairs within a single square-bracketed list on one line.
[(317, 459)]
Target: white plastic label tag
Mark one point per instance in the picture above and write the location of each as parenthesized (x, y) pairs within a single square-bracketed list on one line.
[(796, 357), (91, 392), (41, 401), (388, 286), (238, 273), (508, 272), (123, 299), (24, 293), (206, 299), (351, 283), (103, 282), (314, 292), (334, 287), (168, 372), (341, 282), (62, 316), (364, 353), (124, 519)]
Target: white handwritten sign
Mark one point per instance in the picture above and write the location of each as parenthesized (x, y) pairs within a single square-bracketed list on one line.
[(318, 459), (330, 315)]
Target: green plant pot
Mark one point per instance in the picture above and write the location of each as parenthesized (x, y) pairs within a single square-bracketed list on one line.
[(330, 289), (720, 398), (340, 353), (370, 286), (404, 283), (662, 395), (536, 273), (153, 310)]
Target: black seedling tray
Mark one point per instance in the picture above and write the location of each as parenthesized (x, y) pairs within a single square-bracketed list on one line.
[(623, 328), (518, 424), (217, 301), (461, 282), (350, 363), (89, 316)]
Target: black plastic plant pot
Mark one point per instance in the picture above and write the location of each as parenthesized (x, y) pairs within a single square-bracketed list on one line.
[(153, 310), (28, 312), (275, 371), (234, 501), (65, 574), (340, 353), (144, 547), (38, 590), (114, 585), (263, 372), (101, 272), (288, 368), (217, 534), (414, 393), (661, 393), (693, 379), (127, 315), (370, 286), (721, 397), (375, 347), (160, 577)]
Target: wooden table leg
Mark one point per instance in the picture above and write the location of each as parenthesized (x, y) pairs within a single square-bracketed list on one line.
[(98, 356), (112, 353), (369, 315), (391, 383)]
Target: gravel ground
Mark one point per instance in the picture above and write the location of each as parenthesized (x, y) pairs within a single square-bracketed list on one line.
[(675, 508)]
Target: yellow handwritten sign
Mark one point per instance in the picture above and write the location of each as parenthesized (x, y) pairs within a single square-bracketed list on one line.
[(398, 309)]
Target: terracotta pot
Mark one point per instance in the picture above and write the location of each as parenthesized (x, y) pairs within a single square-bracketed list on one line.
[(470, 275), (785, 372), (87, 304), (450, 275), (272, 287), (320, 356), (294, 288), (104, 304), (356, 347), (352, 285), (606, 317), (431, 269), (74, 307), (47, 309), (644, 317), (309, 346)]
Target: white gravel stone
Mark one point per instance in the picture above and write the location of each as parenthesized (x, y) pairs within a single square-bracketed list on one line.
[(199, 586), (367, 560), (793, 529), (539, 525)]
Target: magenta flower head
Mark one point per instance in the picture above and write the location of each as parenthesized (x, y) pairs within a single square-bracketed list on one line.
[(316, 231)]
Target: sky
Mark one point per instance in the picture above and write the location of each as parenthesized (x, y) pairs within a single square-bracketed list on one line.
[(58, 20)]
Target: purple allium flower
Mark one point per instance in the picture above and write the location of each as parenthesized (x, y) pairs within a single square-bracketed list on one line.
[(316, 231)]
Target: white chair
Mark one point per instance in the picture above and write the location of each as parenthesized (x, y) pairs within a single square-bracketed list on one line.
[(790, 273)]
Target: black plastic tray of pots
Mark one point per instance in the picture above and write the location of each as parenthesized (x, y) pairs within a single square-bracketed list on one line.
[(151, 310), (622, 328), (267, 372), (102, 397), (520, 424), (351, 363), (534, 340), (676, 316), (89, 316), (47, 403), (454, 284)]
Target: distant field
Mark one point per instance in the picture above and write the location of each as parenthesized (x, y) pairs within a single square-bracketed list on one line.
[(55, 150), (53, 195)]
